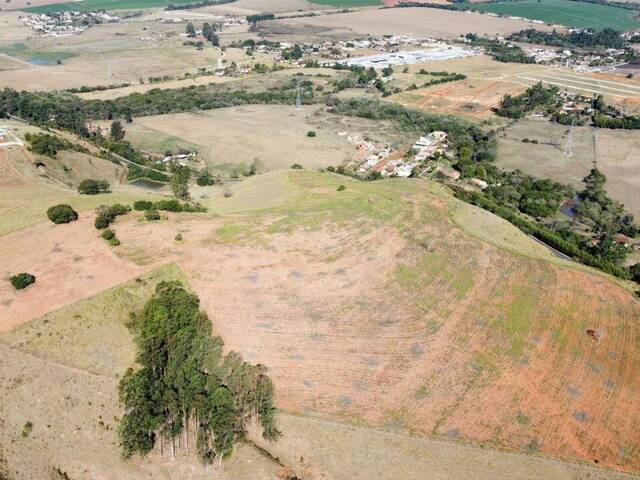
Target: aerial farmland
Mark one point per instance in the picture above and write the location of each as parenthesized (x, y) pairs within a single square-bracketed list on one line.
[(328, 239)]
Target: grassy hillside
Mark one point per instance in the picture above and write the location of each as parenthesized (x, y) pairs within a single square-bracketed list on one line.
[(387, 304)]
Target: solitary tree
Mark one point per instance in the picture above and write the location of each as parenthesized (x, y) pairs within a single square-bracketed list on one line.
[(117, 132), (179, 182), (190, 30)]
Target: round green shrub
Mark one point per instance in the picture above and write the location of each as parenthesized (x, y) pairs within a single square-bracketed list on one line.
[(22, 280), (152, 215), (108, 234), (311, 133), (178, 237), (102, 221), (62, 214), (341, 188), (296, 166), (142, 205)]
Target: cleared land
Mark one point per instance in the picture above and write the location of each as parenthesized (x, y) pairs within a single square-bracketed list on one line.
[(616, 89), (424, 327), (567, 13), (615, 152), (60, 372), (488, 81), (424, 22), (230, 139)]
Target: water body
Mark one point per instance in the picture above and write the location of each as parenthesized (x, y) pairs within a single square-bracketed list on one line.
[(568, 207), (147, 184)]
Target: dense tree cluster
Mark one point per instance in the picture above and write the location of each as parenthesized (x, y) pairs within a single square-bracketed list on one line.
[(499, 50), (209, 33), (93, 187), (184, 390), (50, 145), (260, 17), (535, 97), (607, 38), (172, 205)]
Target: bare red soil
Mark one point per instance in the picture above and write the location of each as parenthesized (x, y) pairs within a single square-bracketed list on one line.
[(443, 335)]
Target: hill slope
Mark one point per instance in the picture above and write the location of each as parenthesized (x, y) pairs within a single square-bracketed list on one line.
[(394, 305)]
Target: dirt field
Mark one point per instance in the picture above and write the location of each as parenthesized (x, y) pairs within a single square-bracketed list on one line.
[(424, 328), (615, 155), (229, 139), (424, 22), (61, 370), (488, 81)]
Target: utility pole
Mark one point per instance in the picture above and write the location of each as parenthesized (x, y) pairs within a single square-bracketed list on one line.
[(568, 149), (298, 99), (595, 146)]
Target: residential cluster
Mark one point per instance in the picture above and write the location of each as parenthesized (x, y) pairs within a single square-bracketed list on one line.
[(578, 61), (383, 159), (63, 24)]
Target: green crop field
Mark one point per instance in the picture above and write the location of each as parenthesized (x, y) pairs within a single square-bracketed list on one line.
[(566, 12), (105, 5)]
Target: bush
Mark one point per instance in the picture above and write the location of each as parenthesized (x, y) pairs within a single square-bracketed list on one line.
[(27, 429), (142, 205), (93, 187), (114, 242), (106, 214), (62, 214), (205, 179), (152, 215), (331, 168), (108, 234), (102, 221), (178, 237), (311, 133), (22, 280), (341, 188), (296, 166)]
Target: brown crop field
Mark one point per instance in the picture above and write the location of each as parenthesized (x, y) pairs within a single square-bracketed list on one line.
[(615, 152), (379, 306), (423, 22)]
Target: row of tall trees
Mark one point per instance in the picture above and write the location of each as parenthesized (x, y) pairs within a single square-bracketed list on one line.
[(185, 393)]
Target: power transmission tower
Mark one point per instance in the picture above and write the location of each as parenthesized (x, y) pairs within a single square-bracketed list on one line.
[(298, 99), (568, 149), (595, 146)]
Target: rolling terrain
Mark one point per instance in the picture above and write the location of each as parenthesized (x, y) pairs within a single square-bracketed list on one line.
[(389, 304)]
